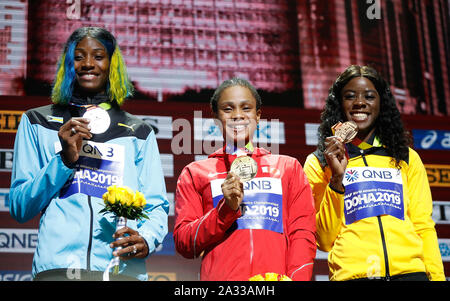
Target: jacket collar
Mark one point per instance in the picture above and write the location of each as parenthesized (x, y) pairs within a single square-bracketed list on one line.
[(82, 99), (371, 146)]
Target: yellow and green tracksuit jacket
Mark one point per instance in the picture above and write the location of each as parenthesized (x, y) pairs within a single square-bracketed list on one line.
[(381, 225)]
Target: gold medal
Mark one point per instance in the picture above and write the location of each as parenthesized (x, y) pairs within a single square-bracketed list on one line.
[(245, 167), (345, 131)]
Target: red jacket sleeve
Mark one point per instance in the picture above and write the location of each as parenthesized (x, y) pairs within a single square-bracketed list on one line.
[(194, 228), (301, 226)]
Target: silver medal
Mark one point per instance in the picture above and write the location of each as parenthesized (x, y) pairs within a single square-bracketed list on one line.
[(99, 120)]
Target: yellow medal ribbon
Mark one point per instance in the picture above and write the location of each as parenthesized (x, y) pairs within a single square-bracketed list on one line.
[(364, 145)]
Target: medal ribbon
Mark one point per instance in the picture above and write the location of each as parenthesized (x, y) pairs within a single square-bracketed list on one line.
[(104, 105), (233, 150), (365, 145)]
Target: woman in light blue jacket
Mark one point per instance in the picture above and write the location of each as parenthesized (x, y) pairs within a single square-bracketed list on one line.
[(65, 156)]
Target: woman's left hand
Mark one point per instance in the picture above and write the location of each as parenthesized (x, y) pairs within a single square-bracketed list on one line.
[(133, 245)]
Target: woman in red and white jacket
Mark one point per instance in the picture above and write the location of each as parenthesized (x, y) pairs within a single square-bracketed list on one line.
[(242, 229)]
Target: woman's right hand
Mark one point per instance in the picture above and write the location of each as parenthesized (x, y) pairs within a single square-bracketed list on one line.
[(233, 191), (71, 135), (337, 161)]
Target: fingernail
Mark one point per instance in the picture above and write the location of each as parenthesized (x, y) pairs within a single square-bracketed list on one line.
[(111, 245)]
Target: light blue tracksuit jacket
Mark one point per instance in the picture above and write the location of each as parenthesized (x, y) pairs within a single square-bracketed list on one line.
[(72, 232)]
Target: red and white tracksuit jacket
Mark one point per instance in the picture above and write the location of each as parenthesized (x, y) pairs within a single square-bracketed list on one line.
[(273, 232)]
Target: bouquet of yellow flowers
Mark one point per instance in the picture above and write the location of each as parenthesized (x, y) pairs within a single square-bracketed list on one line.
[(270, 277), (124, 204), (122, 201)]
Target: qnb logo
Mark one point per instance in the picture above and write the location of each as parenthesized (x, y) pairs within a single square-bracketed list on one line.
[(260, 185), (351, 175)]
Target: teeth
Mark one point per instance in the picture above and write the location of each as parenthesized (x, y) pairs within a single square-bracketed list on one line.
[(88, 76), (359, 116), (238, 127)]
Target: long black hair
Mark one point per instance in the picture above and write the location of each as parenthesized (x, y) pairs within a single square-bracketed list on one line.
[(388, 126)]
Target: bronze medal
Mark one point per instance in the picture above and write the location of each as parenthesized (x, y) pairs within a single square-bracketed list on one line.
[(245, 167), (345, 131)]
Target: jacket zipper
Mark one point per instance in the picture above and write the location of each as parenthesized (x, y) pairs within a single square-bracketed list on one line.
[(251, 247), (91, 227), (383, 239)]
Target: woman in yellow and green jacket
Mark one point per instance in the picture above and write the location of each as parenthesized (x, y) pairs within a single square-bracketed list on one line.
[(372, 196)]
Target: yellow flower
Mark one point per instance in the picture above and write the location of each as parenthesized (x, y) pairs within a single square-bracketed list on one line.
[(285, 278), (129, 196), (257, 278), (120, 196), (271, 277), (139, 199), (124, 200), (110, 195), (112, 198)]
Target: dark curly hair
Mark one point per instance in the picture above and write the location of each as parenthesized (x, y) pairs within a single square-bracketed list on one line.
[(388, 126)]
